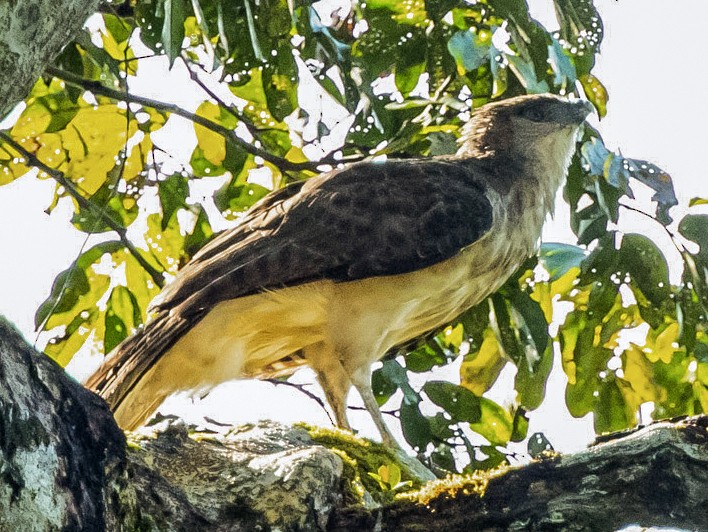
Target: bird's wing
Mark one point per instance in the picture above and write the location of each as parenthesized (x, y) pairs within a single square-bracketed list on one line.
[(369, 219), (366, 220)]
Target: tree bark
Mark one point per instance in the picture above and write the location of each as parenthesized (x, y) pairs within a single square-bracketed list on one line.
[(33, 33), (654, 476), (65, 465)]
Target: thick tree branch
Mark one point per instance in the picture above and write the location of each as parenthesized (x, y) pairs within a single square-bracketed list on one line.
[(84, 203), (656, 476), (97, 88), (34, 32), (267, 476)]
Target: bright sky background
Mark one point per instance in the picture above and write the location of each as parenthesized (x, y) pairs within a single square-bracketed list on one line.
[(653, 67)]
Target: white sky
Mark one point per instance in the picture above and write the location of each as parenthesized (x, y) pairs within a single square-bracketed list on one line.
[(653, 67)]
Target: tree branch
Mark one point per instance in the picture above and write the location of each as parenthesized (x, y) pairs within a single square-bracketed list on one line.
[(84, 203), (97, 88)]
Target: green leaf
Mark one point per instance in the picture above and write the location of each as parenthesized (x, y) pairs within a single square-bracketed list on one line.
[(558, 258), (468, 50), (613, 413), (415, 426), (533, 322), (122, 317), (530, 381), (508, 338), (562, 65), (647, 266), (461, 403), (695, 228), (425, 357), (697, 201), (495, 423), (538, 444), (382, 386), (396, 374), (77, 286), (106, 205), (200, 234), (173, 192), (173, 28)]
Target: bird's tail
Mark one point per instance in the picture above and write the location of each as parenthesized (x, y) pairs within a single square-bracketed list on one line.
[(123, 377)]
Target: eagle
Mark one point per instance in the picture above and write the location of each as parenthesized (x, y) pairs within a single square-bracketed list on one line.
[(335, 271)]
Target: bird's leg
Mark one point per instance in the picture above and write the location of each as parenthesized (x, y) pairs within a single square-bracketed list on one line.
[(333, 379), (361, 379)]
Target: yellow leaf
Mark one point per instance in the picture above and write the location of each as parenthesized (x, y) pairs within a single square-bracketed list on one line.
[(479, 372), (135, 163), (212, 144), (702, 373), (664, 345), (93, 139), (542, 295), (700, 391), (51, 151), (565, 283), (639, 373), (453, 336), (33, 121)]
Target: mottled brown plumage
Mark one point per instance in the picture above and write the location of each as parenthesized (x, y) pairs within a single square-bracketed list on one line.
[(335, 271)]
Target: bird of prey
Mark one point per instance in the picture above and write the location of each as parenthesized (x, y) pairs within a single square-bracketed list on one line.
[(335, 271)]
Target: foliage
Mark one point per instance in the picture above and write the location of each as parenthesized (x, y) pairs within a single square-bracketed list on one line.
[(286, 88)]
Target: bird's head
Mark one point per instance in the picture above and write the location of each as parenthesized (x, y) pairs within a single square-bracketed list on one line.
[(523, 127)]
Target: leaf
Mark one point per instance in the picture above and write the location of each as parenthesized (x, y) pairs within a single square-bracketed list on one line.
[(639, 374), (538, 444), (695, 228), (508, 339), (106, 205), (462, 404), (656, 179), (425, 357), (173, 28), (495, 423), (122, 317), (562, 65), (558, 259), (173, 192), (647, 266), (479, 371), (697, 201), (77, 286), (531, 379), (199, 235), (613, 412), (469, 50), (212, 144), (62, 348), (580, 25), (596, 93), (532, 322), (415, 426)]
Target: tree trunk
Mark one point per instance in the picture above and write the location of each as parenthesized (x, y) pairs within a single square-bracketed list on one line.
[(65, 465), (33, 33)]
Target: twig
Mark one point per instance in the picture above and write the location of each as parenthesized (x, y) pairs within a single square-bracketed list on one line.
[(252, 129), (307, 392), (98, 88), (668, 231), (60, 178)]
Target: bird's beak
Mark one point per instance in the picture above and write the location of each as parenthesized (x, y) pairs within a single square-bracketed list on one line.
[(586, 107)]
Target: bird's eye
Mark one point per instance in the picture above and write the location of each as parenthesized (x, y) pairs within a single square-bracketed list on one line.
[(533, 113)]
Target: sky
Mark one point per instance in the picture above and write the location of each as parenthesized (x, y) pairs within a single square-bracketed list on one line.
[(651, 62)]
